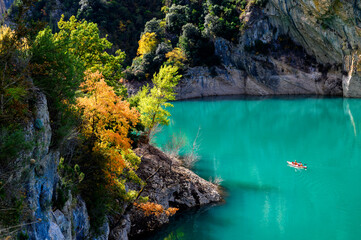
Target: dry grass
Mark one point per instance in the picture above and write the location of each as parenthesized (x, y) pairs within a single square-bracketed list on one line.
[(216, 180), (153, 133), (173, 146), (177, 142), (190, 159)]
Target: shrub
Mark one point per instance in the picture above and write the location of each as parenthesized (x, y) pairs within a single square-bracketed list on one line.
[(14, 81), (10, 137), (198, 49), (176, 18), (70, 178), (155, 26), (160, 53)]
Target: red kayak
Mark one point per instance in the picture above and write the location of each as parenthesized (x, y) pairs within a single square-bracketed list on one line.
[(296, 165)]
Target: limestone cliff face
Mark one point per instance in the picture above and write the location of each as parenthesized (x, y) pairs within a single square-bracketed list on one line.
[(287, 47), (330, 30), (72, 221)]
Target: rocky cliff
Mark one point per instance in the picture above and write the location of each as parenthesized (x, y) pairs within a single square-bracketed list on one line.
[(40, 180), (287, 47), (171, 185)]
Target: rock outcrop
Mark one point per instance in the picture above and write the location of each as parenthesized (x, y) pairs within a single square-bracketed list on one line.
[(287, 47), (40, 179), (171, 185), (2, 8), (330, 30)]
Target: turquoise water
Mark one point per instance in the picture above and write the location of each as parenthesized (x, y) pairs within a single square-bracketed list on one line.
[(246, 142)]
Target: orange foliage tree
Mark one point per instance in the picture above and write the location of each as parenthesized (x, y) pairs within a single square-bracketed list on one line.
[(151, 208), (106, 122)]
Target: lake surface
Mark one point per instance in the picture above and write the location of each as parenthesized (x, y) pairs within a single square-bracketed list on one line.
[(246, 142)]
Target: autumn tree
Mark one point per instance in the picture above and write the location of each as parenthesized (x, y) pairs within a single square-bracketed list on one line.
[(152, 102), (176, 57), (147, 43), (151, 208), (106, 120), (107, 158)]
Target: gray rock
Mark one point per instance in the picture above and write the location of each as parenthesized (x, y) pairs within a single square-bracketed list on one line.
[(4, 5), (41, 183), (63, 222), (81, 224), (105, 231), (171, 186), (327, 29), (55, 232), (121, 231)]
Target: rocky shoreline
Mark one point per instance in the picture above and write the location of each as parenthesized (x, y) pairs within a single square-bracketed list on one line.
[(171, 185)]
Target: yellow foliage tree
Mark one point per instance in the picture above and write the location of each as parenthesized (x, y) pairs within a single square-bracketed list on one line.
[(176, 57), (147, 43)]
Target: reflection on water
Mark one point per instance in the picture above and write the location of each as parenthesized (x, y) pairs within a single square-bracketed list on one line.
[(247, 141)]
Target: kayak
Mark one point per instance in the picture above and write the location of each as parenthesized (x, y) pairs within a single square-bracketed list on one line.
[(291, 164)]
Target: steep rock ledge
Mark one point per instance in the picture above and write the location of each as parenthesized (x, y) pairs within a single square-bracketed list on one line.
[(171, 186), (267, 60), (40, 184), (330, 30)]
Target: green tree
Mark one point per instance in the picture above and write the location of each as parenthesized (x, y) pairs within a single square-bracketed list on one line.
[(155, 26), (55, 70), (176, 17), (191, 41), (82, 39), (152, 102), (59, 60), (58, 73)]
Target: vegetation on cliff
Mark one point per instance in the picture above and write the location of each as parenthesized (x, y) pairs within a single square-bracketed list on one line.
[(84, 89)]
